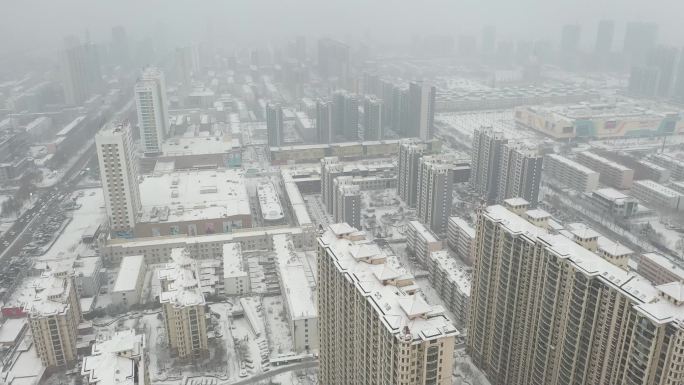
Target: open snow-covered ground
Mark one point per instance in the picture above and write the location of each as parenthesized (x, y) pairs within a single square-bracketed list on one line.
[(279, 338)]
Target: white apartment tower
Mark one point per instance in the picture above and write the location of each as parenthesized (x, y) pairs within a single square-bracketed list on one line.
[(374, 326), (119, 175), (153, 113)]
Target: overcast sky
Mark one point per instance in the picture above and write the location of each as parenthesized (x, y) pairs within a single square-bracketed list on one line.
[(41, 24)]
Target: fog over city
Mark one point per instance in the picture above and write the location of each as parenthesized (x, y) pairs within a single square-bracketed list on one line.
[(227, 192)]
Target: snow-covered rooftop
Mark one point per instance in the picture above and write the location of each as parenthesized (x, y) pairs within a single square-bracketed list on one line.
[(50, 295), (455, 272), (182, 280), (113, 361), (193, 195), (296, 201), (232, 260), (610, 194), (271, 209), (424, 232), (129, 273), (295, 285), (400, 308), (582, 231)]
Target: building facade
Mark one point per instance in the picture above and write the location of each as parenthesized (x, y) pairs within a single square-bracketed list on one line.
[(567, 173), (152, 107), (435, 191)]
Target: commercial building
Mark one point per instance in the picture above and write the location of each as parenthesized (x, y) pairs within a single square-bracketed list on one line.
[(193, 203), (599, 120), (153, 113), (612, 202), (657, 194), (374, 326), (299, 297), (567, 173), (660, 269), (435, 191), (452, 282), (460, 239), (129, 281), (275, 125), (372, 118), (183, 306), (346, 201), (420, 242), (117, 360), (119, 176), (486, 160), (54, 313), (566, 315), (610, 173), (235, 276)]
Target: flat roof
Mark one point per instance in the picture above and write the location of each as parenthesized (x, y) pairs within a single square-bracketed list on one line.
[(215, 143), (385, 285), (455, 272), (610, 194), (612, 248), (295, 197), (605, 161), (582, 231), (193, 195), (184, 287), (112, 361), (423, 231), (232, 260), (666, 263), (463, 225), (50, 295), (296, 289), (271, 209), (572, 164), (129, 272)]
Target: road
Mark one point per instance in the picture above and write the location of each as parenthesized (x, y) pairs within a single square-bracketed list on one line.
[(275, 371)]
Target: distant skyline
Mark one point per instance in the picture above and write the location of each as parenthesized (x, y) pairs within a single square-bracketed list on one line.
[(242, 22)]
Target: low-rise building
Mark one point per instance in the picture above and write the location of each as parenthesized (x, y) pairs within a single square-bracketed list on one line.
[(298, 294), (88, 276), (420, 242), (613, 202), (657, 194), (235, 276), (129, 281)]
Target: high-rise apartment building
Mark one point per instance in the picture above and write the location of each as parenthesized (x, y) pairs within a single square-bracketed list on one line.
[(487, 152), (119, 176), (324, 122), (152, 106), (604, 37), (409, 160), (347, 201), (372, 118), (520, 173), (374, 326), (81, 75), (544, 311), (331, 168), (640, 39), (345, 116), (333, 60), (118, 359), (421, 110), (54, 313), (570, 38), (435, 191), (183, 306), (275, 125)]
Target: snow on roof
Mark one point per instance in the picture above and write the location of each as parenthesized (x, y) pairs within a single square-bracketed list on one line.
[(454, 272), (295, 284), (271, 209), (50, 295), (658, 188), (605, 161), (423, 231), (572, 164), (193, 195), (666, 263), (113, 360), (295, 198), (582, 231), (516, 202), (610, 194), (67, 129), (612, 248), (214, 143), (10, 330), (181, 285), (537, 214), (129, 272), (232, 260), (512, 222), (395, 301), (674, 290), (463, 225)]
